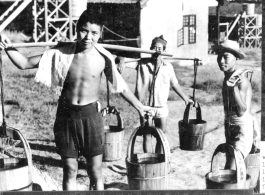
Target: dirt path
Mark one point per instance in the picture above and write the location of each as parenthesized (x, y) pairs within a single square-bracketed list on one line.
[(188, 168)]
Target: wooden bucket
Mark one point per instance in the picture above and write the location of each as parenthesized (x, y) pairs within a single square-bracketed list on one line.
[(16, 173), (78, 7), (113, 137), (227, 178), (148, 171), (191, 131), (252, 162)]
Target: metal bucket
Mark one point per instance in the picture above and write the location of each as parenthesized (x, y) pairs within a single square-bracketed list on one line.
[(148, 171), (16, 173), (191, 131), (227, 178), (113, 137)]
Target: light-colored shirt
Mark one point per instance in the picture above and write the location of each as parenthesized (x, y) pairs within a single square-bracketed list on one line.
[(55, 62), (156, 95)]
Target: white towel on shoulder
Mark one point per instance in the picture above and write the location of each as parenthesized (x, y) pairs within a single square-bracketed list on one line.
[(55, 63)]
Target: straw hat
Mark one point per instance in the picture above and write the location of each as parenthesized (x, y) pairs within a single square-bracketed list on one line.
[(231, 47)]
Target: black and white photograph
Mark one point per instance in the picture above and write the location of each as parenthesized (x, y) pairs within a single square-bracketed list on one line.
[(131, 95)]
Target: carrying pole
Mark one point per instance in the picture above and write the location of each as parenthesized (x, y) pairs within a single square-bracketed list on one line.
[(106, 46)]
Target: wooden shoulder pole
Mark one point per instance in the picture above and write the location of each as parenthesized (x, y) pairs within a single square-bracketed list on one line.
[(106, 46)]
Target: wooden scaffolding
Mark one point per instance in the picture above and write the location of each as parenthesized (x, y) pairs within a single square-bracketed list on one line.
[(51, 22), (250, 31)]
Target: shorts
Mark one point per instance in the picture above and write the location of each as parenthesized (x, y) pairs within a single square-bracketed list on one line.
[(161, 112), (79, 130), (239, 133)]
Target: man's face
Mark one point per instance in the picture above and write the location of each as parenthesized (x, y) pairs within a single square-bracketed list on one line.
[(158, 47), (226, 62), (88, 35)]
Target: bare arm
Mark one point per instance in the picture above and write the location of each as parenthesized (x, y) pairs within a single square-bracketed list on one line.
[(176, 87), (18, 59), (240, 93), (129, 97)]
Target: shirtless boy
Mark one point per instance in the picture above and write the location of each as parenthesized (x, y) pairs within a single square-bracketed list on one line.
[(76, 70)]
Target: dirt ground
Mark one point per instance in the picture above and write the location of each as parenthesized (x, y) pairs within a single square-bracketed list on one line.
[(188, 168)]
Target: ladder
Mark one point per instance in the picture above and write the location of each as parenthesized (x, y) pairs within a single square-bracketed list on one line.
[(12, 12)]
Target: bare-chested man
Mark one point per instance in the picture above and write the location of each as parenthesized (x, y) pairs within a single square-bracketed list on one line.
[(76, 70), (237, 94)]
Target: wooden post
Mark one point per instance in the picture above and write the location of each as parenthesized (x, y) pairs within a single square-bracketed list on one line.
[(34, 10), (218, 22), (1, 91), (70, 20), (46, 20)]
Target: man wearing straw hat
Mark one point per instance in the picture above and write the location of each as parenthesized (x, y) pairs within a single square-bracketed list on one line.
[(75, 69), (154, 79), (237, 94)]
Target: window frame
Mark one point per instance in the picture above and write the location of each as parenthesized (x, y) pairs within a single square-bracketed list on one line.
[(191, 27)]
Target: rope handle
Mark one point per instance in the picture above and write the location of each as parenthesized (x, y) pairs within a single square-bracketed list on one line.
[(187, 112), (196, 64), (3, 128), (113, 110)]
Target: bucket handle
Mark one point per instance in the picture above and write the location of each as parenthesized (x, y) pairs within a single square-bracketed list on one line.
[(187, 113), (239, 161), (113, 110), (145, 130), (14, 134)]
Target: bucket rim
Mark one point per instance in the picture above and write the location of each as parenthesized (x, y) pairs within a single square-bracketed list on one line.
[(137, 163)]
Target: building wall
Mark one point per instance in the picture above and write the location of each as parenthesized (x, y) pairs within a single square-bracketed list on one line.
[(160, 18), (167, 18), (200, 48)]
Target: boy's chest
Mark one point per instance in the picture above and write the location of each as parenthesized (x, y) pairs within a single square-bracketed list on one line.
[(85, 67)]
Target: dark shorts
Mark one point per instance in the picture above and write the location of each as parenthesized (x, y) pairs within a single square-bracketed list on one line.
[(79, 130)]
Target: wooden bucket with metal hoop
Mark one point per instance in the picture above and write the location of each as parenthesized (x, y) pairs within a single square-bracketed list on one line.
[(113, 136), (148, 171), (15, 172), (227, 178)]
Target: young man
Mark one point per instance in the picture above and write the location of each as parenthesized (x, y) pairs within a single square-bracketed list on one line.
[(237, 94), (76, 70), (154, 79)]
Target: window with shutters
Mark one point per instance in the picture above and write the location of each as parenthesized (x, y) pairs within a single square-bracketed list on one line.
[(187, 35)]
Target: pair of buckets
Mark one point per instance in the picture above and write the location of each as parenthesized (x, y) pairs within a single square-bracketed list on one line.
[(113, 136), (192, 131), (227, 178), (16, 173), (148, 171)]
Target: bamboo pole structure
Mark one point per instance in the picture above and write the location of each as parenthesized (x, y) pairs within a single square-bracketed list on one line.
[(234, 24), (106, 46)]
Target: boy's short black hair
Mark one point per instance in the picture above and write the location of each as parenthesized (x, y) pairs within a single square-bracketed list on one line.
[(93, 16)]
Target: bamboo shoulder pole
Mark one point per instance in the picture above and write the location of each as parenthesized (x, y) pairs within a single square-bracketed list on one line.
[(106, 46)]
